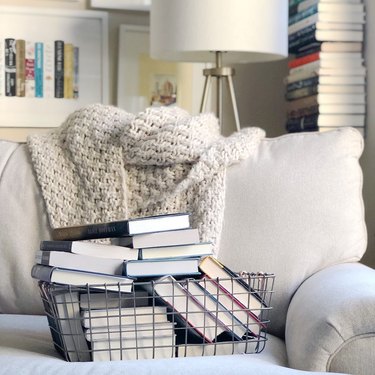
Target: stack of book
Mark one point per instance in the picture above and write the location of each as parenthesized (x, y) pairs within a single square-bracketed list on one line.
[(326, 84), (155, 288)]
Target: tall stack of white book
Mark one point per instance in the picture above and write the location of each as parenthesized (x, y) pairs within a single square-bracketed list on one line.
[(326, 83)]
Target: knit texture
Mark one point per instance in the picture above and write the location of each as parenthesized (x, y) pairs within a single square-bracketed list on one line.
[(104, 164)]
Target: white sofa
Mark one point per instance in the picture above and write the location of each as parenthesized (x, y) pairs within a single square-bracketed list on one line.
[(295, 209)]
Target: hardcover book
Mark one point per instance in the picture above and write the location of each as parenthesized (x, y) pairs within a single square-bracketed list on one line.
[(159, 267), (73, 277), (123, 227)]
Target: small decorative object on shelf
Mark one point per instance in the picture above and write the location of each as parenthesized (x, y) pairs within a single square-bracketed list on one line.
[(326, 84)]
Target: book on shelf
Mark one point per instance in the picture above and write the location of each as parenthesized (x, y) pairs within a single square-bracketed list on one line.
[(10, 66), (59, 68), (302, 92), (48, 70), (157, 267), (341, 46), (327, 80), (156, 239), (121, 228), (72, 277), (79, 262), (30, 69), (233, 285), (114, 317), (68, 70), (90, 249), (330, 120), (38, 69), (20, 67)]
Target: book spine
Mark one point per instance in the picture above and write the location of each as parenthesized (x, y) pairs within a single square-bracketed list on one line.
[(300, 25), (41, 272), (10, 67), (68, 71), (312, 81), (302, 41), (2, 67), (39, 62), (309, 67), (295, 37), (303, 60), (48, 70), (30, 69), (306, 123), (294, 2), (301, 93), (20, 67), (59, 69), (56, 246), (306, 111), (76, 72), (304, 14), (300, 7)]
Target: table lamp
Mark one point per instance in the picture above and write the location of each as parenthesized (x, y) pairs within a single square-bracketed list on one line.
[(214, 31)]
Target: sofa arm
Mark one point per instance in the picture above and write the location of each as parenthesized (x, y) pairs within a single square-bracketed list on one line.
[(331, 321)]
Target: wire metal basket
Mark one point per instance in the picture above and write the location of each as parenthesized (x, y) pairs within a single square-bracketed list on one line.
[(164, 318)]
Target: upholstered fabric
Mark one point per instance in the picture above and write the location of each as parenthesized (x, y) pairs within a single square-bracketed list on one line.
[(26, 349), (295, 209), (335, 309)]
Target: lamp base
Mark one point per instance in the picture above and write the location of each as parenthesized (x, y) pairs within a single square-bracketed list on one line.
[(220, 73)]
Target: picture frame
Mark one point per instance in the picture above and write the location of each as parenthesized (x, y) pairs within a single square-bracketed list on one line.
[(86, 33), (139, 76)]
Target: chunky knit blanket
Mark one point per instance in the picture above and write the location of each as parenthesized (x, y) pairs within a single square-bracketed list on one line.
[(104, 164)]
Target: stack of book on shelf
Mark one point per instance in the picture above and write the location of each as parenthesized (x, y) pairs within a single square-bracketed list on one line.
[(156, 291), (326, 84)]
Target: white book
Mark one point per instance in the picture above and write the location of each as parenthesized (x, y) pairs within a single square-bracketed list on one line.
[(72, 277), (341, 89), (79, 262), (90, 249), (166, 238), (147, 348), (342, 63), (321, 25), (340, 8), (342, 71), (354, 17), (339, 35), (69, 326), (124, 316), (341, 98), (340, 56), (341, 47), (342, 108), (342, 80), (130, 332), (340, 120)]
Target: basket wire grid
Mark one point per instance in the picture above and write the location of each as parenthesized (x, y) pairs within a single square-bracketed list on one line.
[(159, 319)]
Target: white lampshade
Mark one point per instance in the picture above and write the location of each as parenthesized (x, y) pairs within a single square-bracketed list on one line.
[(248, 30)]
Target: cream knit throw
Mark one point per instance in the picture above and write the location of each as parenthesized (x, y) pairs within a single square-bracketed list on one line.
[(104, 164)]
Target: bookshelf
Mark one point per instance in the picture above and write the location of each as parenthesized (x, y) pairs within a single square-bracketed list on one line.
[(326, 81)]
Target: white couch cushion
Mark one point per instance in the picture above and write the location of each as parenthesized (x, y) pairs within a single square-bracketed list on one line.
[(294, 209)]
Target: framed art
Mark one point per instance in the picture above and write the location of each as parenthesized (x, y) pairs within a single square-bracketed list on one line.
[(144, 82), (53, 61)]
